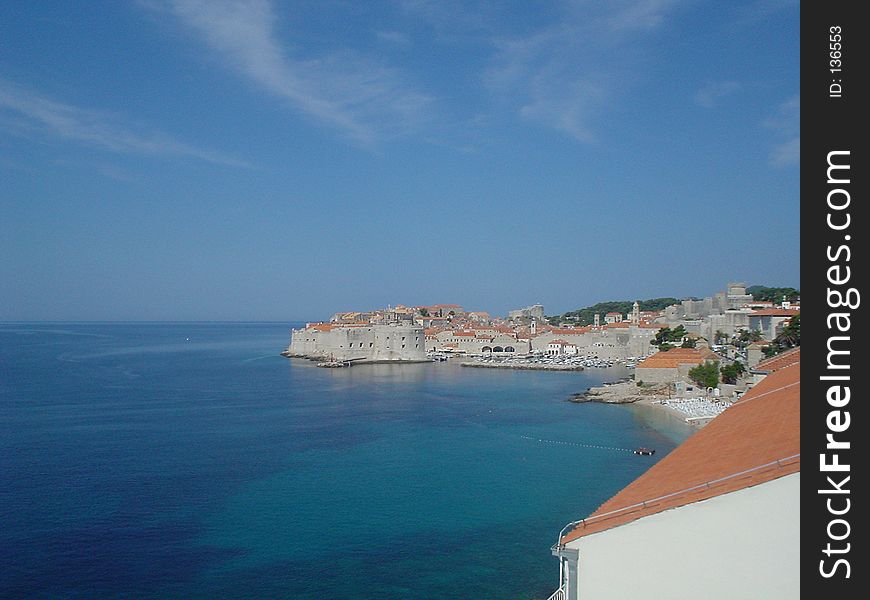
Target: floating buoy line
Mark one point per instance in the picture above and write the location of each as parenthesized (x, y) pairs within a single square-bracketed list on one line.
[(576, 444), (638, 451)]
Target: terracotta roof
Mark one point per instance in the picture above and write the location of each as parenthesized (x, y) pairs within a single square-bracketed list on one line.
[(775, 363), (559, 343), (774, 312), (464, 333), (755, 441), (675, 357), (570, 330)]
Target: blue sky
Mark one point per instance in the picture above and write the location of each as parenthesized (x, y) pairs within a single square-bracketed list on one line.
[(248, 159)]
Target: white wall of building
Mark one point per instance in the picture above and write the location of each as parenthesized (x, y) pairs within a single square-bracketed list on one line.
[(744, 544)]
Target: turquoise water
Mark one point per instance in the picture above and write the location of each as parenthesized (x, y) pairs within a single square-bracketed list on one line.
[(135, 462)]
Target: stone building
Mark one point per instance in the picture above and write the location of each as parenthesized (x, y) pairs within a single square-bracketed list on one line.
[(768, 321), (486, 340), (616, 341), (535, 311), (363, 342), (729, 323), (671, 366), (561, 348)]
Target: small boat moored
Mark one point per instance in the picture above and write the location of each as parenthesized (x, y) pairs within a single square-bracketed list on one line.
[(334, 364)]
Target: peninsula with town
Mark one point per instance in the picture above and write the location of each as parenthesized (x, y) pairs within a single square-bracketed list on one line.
[(724, 501), (692, 356)]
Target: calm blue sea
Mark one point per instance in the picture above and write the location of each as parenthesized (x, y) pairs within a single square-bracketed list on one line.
[(191, 460)]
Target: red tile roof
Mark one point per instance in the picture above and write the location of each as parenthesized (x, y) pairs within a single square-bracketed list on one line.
[(755, 441), (570, 330), (675, 357)]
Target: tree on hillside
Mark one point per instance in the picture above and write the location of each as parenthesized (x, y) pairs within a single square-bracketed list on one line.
[(730, 373), (773, 294), (586, 316), (706, 374), (746, 337), (424, 312), (666, 335), (788, 337)]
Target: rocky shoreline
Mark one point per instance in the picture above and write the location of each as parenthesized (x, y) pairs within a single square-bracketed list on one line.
[(622, 392)]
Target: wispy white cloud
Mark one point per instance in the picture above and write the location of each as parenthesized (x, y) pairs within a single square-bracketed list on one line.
[(28, 113), (787, 153), (363, 98), (394, 37), (710, 95), (786, 126), (564, 76)]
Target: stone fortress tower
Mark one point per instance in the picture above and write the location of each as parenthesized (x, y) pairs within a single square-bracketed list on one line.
[(358, 343)]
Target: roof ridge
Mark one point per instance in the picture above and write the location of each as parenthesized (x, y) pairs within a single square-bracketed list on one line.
[(706, 485), (745, 400)]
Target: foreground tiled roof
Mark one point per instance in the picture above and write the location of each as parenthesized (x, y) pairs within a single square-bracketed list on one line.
[(675, 357), (774, 363), (755, 441)]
